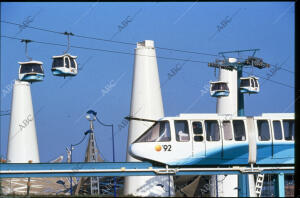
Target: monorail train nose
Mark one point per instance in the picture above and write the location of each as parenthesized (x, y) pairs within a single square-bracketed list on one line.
[(134, 150)]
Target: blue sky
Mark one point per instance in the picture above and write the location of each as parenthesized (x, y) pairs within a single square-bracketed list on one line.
[(104, 82)]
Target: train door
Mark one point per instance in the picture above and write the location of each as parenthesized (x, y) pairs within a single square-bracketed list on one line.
[(241, 142), (278, 139), (198, 141), (213, 140), (288, 150), (235, 143), (283, 140), (183, 146), (227, 139), (264, 141)]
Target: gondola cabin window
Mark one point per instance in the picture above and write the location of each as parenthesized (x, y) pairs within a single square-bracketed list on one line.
[(58, 62), (245, 83), (67, 62), (182, 131), (73, 63), (212, 130), (34, 68), (255, 83), (219, 86), (252, 83)]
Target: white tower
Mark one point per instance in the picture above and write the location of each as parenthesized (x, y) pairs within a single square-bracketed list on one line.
[(146, 102), (227, 185), (228, 104), (22, 141)]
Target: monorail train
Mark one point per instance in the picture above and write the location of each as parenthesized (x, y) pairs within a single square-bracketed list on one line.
[(212, 139)]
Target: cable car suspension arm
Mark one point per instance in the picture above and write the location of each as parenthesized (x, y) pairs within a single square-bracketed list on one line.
[(68, 35), (26, 42)]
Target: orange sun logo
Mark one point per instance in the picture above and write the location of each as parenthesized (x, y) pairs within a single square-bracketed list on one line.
[(158, 148)]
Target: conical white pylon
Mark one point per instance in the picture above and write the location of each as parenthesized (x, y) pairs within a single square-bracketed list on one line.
[(22, 142), (146, 102), (228, 104)]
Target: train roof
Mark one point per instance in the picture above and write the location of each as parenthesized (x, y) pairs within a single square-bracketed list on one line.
[(277, 115), (230, 116)]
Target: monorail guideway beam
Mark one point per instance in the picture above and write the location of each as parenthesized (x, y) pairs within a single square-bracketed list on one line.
[(19, 170), (11, 170)]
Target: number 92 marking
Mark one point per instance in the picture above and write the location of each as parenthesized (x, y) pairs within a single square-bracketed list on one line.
[(167, 147)]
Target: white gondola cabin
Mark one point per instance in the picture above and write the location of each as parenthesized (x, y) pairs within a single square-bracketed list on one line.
[(249, 85), (219, 88), (31, 71), (64, 65)]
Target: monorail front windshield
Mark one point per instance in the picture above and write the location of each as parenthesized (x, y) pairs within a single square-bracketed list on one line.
[(159, 132)]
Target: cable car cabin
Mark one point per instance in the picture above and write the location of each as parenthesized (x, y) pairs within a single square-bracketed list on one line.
[(64, 65), (218, 89), (212, 139), (249, 85), (31, 71)]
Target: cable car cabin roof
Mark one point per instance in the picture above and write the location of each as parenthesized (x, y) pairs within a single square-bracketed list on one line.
[(215, 82), (31, 62), (247, 78), (61, 56)]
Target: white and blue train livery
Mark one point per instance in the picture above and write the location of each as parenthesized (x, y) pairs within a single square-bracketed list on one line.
[(212, 139)]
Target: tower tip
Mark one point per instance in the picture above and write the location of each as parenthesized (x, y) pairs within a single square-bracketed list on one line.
[(146, 44), (232, 60)]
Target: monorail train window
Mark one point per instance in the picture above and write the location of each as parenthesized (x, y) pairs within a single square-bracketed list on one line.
[(227, 129), (263, 130), (289, 129), (197, 128), (212, 130), (198, 131), (277, 130), (182, 131), (198, 138), (239, 130), (160, 132)]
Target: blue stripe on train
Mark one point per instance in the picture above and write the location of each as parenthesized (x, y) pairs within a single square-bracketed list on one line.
[(282, 153)]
